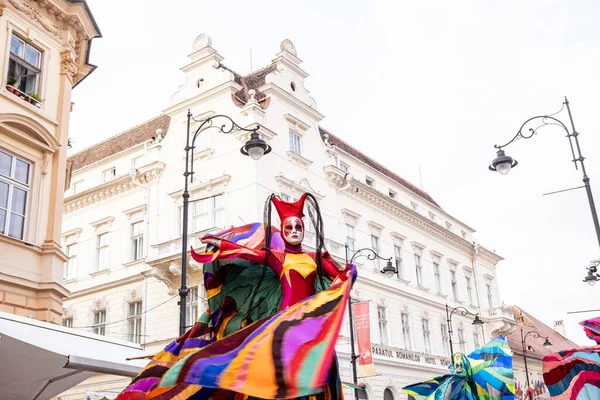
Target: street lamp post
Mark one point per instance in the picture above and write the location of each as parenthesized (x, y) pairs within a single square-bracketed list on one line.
[(386, 271), (503, 163), (255, 147), (463, 311), (536, 335)]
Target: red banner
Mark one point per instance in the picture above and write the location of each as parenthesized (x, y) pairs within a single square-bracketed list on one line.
[(362, 326)]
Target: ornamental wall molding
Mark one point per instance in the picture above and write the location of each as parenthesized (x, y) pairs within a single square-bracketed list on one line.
[(391, 208), (294, 188), (68, 65), (350, 217), (218, 183), (488, 256), (375, 228), (113, 188)]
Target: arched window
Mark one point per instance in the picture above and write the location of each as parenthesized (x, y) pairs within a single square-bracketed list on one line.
[(388, 395)]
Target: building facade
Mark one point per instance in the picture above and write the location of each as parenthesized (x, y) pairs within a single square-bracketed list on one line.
[(44, 51), (534, 332), (123, 223)]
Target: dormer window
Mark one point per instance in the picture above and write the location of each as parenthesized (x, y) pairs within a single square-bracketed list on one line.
[(109, 174), (344, 167), (432, 216), (463, 234), (448, 226), (370, 181), (24, 67), (414, 206), (392, 194)]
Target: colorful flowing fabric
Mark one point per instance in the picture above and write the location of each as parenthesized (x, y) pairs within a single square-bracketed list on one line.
[(297, 343), (592, 329), (487, 375)]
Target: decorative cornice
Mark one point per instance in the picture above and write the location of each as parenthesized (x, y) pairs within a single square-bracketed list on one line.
[(296, 122), (417, 245), (136, 212), (147, 174), (220, 182), (298, 159), (295, 189), (37, 17), (375, 228), (350, 217), (72, 234), (397, 237), (436, 254), (103, 223), (263, 132), (396, 210), (488, 277), (271, 89), (488, 256)]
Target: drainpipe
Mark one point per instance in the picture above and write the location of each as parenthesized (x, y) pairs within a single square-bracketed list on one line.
[(474, 265)]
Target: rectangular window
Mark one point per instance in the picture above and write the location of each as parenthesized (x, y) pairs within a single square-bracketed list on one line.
[(454, 285), (102, 256), (344, 167), (405, 330), (488, 287), (431, 216), (392, 194), (448, 226), (419, 270), (69, 266), (67, 322), (398, 259), (285, 197), (463, 234), (109, 174), (191, 307), (414, 206), (444, 332), (382, 321), (350, 240), (461, 340), (100, 322), (14, 195), (369, 181), (76, 187), (24, 66), (134, 322), (137, 241), (476, 339), (438, 277), (426, 335), (375, 248), (469, 289), (295, 142), (209, 213), (138, 162)]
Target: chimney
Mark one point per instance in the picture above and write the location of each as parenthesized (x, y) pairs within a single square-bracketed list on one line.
[(559, 326)]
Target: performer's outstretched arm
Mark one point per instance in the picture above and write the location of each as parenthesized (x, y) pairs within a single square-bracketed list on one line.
[(227, 250)]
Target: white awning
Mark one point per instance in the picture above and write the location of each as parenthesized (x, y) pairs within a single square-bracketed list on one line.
[(39, 360)]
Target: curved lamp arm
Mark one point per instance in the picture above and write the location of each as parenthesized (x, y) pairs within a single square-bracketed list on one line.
[(533, 131), (228, 126), (371, 256)]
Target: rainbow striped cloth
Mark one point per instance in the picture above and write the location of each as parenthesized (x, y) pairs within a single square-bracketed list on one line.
[(488, 375)]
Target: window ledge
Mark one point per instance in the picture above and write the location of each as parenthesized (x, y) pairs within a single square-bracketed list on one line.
[(101, 272), (405, 281), (24, 104), (423, 288), (442, 294), (70, 280), (458, 301), (298, 159), (134, 262)]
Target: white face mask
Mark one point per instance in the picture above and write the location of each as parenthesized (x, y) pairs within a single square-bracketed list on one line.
[(293, 231)]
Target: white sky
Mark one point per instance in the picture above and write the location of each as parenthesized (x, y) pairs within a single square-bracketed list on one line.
[(441, 81)]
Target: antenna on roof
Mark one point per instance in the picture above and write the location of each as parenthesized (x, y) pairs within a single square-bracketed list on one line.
[(420, 177), (251, 69)]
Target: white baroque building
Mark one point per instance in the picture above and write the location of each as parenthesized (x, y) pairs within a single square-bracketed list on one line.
[(122, 224)]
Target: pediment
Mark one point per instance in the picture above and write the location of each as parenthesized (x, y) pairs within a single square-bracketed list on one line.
[(29, 131)]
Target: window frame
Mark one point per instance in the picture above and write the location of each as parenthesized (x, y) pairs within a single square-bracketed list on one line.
[(370, 182), (112, 176), (489, 295), (191, 306), (345, 167), (419, 269), (70, 265), (351, 240), (382, 324), (23, 63), (438, 276), (12, 182), (444, 332), (461, 340), (454, 284), (376, 247), (134, 321), (214, 211), (405, 322), (136, 241), (99, 325), (398, 261), (469, 289), (295, 139), (105, 247), (426, 335)]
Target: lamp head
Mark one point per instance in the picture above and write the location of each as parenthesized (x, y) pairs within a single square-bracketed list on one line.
[(477, 320), (547, 343), (255, 147), (502, 163), (389, 270), (592, 276)]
